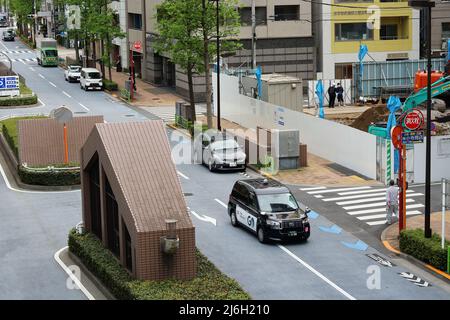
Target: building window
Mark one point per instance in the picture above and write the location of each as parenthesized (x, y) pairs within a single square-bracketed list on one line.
[(94, 189), (128, 252), (388, 32), (246, 16), (352, 31), (135, 21), (112, 217), (343, 71), (283, 13), (445, 30)]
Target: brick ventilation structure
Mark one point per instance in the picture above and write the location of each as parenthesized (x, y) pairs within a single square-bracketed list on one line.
[(130, 187), (41, 141)]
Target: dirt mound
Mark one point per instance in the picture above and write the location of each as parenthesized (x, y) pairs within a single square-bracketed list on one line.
[(376, 113)]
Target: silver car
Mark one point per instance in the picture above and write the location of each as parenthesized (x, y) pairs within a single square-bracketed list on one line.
[(222, 152)]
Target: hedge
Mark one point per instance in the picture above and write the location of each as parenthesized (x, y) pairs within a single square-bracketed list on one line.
[(10, 140), (19, 101), (210, 283), (414, 243), (49, 177), (110, 85)]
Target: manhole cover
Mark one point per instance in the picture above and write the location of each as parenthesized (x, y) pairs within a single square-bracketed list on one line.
[(129, 115), (187, 194), (80, 112)]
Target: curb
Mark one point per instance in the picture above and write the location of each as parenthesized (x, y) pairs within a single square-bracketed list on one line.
[(438, 273)]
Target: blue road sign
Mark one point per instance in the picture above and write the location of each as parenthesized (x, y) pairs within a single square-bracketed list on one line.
[(10, 82), (412, 137)]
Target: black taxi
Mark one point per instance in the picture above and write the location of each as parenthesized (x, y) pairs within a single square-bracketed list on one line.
[(268, 209)]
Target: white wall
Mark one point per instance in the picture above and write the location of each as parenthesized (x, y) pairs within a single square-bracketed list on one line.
[(440, 159), (338, 143)]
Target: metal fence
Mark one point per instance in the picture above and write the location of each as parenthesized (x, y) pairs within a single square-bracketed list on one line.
[(389, 76)]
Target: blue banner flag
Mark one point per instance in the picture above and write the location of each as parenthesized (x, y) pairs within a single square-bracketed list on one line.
[(258, 73), (393, 105), (319, 93), (363, 50)]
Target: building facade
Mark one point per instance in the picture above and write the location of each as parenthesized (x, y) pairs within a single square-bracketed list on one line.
[(440, 24), (389, 28), (285, 43)]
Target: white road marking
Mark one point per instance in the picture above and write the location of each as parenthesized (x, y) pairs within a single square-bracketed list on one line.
[(66, 94), (336, 190), (52, 84), (411, 206), (343, 203), (317, 273), (319, 196), (205, 218), (360, 196), (362, 191), (182, 175), (312, 189), (221, 203), (43, 104), (72, 276), (378, 216), (371, 205), (40, 75), (32, 69), (84, 107), (8, 185)]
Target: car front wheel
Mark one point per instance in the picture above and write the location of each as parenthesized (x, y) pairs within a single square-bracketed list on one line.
[(233, 219), (262, 235), (210, 166)]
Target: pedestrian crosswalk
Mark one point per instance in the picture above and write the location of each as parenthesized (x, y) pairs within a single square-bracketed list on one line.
[(365, 203), (16, 51), (167, 114), (24, 60)]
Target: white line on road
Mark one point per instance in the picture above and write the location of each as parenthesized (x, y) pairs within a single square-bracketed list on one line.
[(43, 104), (182, 175), (71, 275), (319, 196), (360, 196), (343, 203), (32, 69), (84, 107), (336, 190), (40, 75), (312, 189), (205, 218), (52, 84), (411, 206), (371, 205), (317, 273), (66, 94), (221, 203), (378, 216), (360, 192)]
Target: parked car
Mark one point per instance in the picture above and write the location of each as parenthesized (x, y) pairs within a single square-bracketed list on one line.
[(91, 78), (221, 152), (72, 73), (268, 209), (8, 36)]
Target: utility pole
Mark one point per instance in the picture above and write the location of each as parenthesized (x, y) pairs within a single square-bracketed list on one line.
[(253, 34)]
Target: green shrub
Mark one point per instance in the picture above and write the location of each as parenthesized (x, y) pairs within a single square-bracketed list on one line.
[(414, 243), (11, 140), (49, 177), (210, 283), (24, 100), (110, 85)]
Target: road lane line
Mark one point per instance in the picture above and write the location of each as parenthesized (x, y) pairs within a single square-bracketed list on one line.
[(371, 205), (43, 104), (354, 213), (40, 75), (52, 84), (71, 275), (343, 203), (336, 190), (32, 69), (312, 189), (66, 94), (205, 218), (360, 196), (317, 273), (182, 175), (221, 203), (361, 192), (84, 107), (379, 216)]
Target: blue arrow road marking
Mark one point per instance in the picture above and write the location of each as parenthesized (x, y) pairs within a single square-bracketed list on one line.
[(358, 245), (333, 229), (313, 215)]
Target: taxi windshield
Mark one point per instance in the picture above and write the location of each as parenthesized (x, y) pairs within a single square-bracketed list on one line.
[(280, 202)]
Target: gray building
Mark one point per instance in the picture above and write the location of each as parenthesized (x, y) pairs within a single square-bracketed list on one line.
[(440, 24), (284, 43)]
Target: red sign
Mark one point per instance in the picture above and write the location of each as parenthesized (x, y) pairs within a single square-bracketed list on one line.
[(396, 134), (413, 120), (137, 45)]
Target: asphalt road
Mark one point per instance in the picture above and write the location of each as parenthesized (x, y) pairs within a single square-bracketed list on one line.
[(328, 266)]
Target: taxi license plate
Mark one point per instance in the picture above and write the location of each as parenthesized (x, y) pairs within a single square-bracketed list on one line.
[(233, 164), (292, 233)]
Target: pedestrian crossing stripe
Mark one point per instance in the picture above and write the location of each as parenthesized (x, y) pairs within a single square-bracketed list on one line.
[(24, 60), (16, 51), (367, 204)]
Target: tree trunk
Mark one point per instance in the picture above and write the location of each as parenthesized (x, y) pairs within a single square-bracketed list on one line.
[(191, 91), (102, 61), (77, 48), (207, 68), (108, 50)]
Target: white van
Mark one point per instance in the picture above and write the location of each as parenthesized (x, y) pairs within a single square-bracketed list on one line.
[(91, 78)]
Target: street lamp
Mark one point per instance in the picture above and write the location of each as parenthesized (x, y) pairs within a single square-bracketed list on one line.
[(422, 4), (218, 62)]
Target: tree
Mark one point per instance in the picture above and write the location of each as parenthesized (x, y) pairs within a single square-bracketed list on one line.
[(185, 31)]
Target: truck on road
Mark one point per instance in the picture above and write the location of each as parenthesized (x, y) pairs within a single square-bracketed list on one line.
[(47, 52)]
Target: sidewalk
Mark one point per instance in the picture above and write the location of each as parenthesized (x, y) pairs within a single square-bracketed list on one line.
[(319, 171), (147, 95)]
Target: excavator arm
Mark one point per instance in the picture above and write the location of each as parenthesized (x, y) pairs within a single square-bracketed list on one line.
[(439, 87)]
